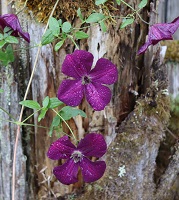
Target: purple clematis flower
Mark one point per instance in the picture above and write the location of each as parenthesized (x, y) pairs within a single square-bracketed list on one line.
[(92, 145), (87, 81), (12, 21), (158, 32)]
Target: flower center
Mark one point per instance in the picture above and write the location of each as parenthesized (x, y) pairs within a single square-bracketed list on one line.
[(86, 80), (77, 156)]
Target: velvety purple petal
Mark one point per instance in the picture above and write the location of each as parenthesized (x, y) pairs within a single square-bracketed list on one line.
[(71, 92), (67, 173), (97, 95), (77, 64), (158, 32), (144, 47), (93, 145), (12, 21), (175, 25), (61, 149), (105, 72), (92, 171)]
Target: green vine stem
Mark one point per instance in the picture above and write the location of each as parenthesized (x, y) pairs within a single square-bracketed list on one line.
[(7, 113), (66, 125), (31, 115), (22, 109)]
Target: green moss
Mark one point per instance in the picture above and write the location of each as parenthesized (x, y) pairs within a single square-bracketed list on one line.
[(172, 53), (66, 9)]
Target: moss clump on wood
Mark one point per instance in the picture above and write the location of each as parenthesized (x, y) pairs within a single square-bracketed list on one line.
[(66, 9), (172, 53)]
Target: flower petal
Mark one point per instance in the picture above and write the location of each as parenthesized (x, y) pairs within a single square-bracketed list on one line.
[(105, 72), (77, 64), (158, 32), (97, 95), (144, 47), (61, 149), (12, 21), (67, 173), (93, 145), (71, 92), (92, 171)]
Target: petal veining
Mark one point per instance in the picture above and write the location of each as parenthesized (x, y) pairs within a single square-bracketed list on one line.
[(97, 95), (92, 171), (67, 173), (61, 149), (105, 72), (71, 92), (93, 144), (77, 64)]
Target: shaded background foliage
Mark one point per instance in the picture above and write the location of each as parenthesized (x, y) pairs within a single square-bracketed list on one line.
[(134, 126)]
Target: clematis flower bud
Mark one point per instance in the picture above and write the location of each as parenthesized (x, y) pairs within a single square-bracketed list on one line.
[(158, 32), (12, 21)]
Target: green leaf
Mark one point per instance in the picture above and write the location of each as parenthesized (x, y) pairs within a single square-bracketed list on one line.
[(60, 22), (81, 35), (54, 102), (66, 26), (10, 54), (56, 122), (1, 90), (59, 45), (118, 2), (11, 39), (46, 101), (30, 104), (2, 43), (126, 22), (95, 17), (7, 56), (48, 37), (98, 2), (42, 114), (7, 29), (79, 14), (68, 112), (142, 4), (103, 26), (1, 36), (54, 26)]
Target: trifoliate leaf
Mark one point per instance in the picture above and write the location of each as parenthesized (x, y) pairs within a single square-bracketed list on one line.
[(48, 37), (46, 101), (54, 26), (1, 36), (103, 26), (68, 112), (81, 35), (30, 104), (42, 114), (95, 17), (126, 22), (98, 2), (2, 43), (58, 45), (66, 26), (79, 14), (118, 2), (56, 122), (142, 4), (11, 39), (54, 102)]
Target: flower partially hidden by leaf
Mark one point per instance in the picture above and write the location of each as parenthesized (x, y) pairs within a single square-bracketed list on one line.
[(92, 145), (158, 32), (87, 81), (12, 21)]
